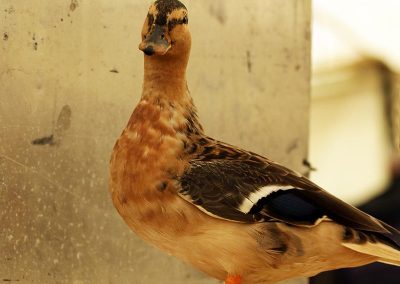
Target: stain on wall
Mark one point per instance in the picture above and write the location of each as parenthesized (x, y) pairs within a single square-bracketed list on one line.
[(74, 4), (59, 129)]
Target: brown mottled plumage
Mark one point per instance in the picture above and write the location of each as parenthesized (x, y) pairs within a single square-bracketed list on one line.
[(231, 213)]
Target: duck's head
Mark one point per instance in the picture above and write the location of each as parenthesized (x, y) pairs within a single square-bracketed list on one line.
[(165, 30)]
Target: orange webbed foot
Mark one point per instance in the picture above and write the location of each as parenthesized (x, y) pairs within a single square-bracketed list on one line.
[(233, 279)]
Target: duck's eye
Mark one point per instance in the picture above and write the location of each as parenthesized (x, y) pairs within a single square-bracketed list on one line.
[(185, 20)]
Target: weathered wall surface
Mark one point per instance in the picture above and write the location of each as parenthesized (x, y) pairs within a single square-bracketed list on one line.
[(70, 76)]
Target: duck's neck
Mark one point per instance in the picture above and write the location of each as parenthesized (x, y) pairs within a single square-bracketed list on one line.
[(165, 78), (165, 88)]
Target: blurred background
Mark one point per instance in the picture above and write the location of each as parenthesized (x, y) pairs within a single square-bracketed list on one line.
[(355, 115), (355, 101), (71, 74)]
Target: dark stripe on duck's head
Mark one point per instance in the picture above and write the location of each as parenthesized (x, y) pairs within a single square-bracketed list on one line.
[(164, 8), (150, 20)]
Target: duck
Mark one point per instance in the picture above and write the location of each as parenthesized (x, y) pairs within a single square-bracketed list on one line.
[(233, 214)]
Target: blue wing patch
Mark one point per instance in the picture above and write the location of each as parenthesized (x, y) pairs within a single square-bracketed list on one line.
[(287, 205)]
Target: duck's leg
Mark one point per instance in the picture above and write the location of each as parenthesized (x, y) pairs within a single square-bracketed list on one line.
[(233, 279)]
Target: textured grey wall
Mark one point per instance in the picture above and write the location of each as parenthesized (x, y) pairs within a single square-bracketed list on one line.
[(72, 69)]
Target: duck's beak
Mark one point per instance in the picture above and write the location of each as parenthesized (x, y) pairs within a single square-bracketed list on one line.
[(156, 42)]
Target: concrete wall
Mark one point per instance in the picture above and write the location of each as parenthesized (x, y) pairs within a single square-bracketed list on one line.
[(70, 76)]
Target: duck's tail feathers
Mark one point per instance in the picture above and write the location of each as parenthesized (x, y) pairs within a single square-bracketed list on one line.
[(384, 245), (391, 262)]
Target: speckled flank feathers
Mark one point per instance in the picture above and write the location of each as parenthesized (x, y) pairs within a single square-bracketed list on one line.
[(231, 213)]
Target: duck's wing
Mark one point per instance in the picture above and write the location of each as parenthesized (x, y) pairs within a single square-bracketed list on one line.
[(241, 186)]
